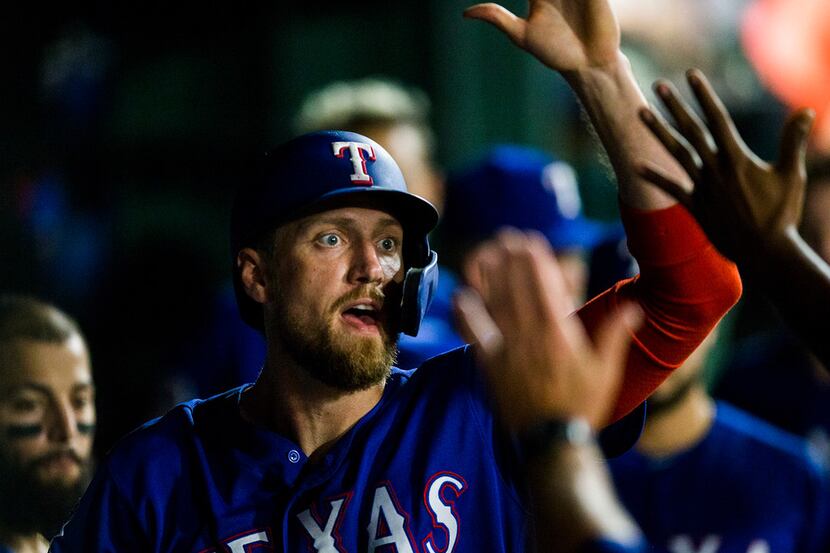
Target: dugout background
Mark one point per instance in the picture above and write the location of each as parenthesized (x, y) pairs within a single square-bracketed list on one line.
[(125, 128)]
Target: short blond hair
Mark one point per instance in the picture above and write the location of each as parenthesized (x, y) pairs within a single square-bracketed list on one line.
[(354, 105), (25, 317)]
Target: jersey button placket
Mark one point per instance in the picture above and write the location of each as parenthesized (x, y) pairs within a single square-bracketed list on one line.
[(294, 456)]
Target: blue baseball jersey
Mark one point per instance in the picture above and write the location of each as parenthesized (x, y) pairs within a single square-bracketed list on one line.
[(426, 470), (747, 487), (773, 377)]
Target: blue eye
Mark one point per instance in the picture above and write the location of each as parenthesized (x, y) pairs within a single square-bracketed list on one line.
[(388, 244), (329, 240)]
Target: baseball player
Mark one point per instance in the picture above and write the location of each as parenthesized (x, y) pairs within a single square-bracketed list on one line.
[(332, 449), (509, 186), (47, 421), (746, 486)]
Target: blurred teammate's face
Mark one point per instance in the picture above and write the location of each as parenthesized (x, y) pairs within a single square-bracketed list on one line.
[(338, 278), (47, 420), (408, 146)]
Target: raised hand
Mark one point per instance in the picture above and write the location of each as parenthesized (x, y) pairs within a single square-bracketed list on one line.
[(565, 35), (750, 209), (742, 202), (539, 362)]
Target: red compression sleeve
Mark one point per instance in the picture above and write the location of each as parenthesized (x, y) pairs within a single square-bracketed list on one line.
[(684, 288)]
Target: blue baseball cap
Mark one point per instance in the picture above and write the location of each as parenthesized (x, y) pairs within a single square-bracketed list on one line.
[(520, 187)]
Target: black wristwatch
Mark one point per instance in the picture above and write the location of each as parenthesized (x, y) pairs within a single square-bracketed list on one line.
[(544, 435)]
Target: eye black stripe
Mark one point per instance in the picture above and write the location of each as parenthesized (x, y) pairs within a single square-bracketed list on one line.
[(86, 428), (18, 431)]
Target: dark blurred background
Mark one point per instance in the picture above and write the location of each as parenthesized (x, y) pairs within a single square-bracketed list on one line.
[(125, 130)]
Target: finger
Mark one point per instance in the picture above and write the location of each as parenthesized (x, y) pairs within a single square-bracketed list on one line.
[(547, 277), (475, 264), (667, 185), (470, 269), (490, 262), (475, 324), (674, 142), (690, 125), (501, 18), (719, 121), (793, 149), (531, 277), (515, 297)]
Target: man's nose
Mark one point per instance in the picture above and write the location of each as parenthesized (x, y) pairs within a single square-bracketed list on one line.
[(63, 422), (366, 265)]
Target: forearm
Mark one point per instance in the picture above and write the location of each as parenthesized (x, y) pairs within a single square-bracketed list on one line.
[(574, 502), (612, 99), (797, 282), (684, 288)]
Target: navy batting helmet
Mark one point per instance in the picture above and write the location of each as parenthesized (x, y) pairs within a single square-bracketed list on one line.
[(328, 169)]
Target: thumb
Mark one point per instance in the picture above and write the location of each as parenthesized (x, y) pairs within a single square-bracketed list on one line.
[(614, 336), (794, 141), (501, 18), (475, 324)]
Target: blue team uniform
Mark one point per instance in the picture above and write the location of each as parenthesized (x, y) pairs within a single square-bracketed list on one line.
[(747, 487), (426, 470), (773, 377)]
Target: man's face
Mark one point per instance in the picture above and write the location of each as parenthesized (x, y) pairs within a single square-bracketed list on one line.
[(47, 420), (338, 278)]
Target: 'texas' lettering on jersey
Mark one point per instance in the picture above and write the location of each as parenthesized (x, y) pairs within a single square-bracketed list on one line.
[(388, 527), (711, 543)]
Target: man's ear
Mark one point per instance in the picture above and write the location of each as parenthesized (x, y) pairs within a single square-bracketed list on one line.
[(252, 274)]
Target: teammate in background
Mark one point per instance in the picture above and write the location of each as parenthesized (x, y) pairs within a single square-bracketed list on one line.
[(47, 421), (332, 449), (513, 186), (750, 209), (753, 212), (392, 115), (706, 476), (772, 374)]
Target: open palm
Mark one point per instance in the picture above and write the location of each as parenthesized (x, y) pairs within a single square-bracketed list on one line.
[(565, 35)]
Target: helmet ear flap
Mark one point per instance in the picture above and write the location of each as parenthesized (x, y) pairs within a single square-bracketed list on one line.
[(418, 290)]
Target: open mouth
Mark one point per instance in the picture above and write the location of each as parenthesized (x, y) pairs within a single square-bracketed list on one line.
[(362, 316)]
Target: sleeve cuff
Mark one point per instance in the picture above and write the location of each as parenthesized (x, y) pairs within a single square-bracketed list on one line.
[(662, 237)]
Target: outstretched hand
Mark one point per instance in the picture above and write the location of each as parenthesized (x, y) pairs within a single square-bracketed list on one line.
[(741, 201), (539, 362), (565, 35)]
